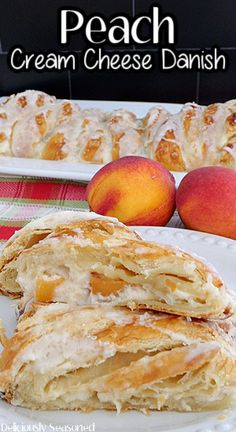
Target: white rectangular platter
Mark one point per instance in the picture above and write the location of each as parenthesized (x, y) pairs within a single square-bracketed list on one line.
[(77, 171)]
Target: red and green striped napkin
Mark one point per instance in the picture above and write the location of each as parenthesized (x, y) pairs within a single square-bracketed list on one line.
[(23, 199)]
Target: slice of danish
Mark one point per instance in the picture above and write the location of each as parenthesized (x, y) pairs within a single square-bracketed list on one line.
[(39, 229), (89, 259), (98, 357)]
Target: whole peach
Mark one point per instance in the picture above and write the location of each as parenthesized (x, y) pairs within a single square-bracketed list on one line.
[(136, 190), (206, 200)]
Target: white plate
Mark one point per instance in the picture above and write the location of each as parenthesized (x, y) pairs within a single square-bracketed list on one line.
[(77, 171), (219, 251)]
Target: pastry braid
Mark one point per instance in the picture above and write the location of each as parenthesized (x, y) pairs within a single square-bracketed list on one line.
[(35, 125)]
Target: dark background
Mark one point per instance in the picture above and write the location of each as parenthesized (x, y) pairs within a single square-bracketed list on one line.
[(201, 24)]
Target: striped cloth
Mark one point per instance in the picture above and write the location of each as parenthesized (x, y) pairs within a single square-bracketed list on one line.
[(24, 198)]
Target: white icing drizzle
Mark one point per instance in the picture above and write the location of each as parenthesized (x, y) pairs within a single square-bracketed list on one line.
[(52, 220)]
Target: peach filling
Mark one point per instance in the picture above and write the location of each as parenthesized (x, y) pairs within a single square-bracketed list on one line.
[(100, 284), (91, 149), (54, 147), (45, 289)]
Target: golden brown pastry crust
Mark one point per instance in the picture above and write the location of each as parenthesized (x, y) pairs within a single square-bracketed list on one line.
[(111, 358), (93, 260)]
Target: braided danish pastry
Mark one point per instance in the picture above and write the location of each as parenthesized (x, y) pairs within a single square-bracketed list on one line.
[(35, 125)]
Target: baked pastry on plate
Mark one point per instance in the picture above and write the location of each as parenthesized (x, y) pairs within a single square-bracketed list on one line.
[(36, 125), (37, 230), (83, 258), (100, 357)]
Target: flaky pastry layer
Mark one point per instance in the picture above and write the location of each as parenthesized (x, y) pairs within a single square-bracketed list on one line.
[(88, 259), (100, 357)]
